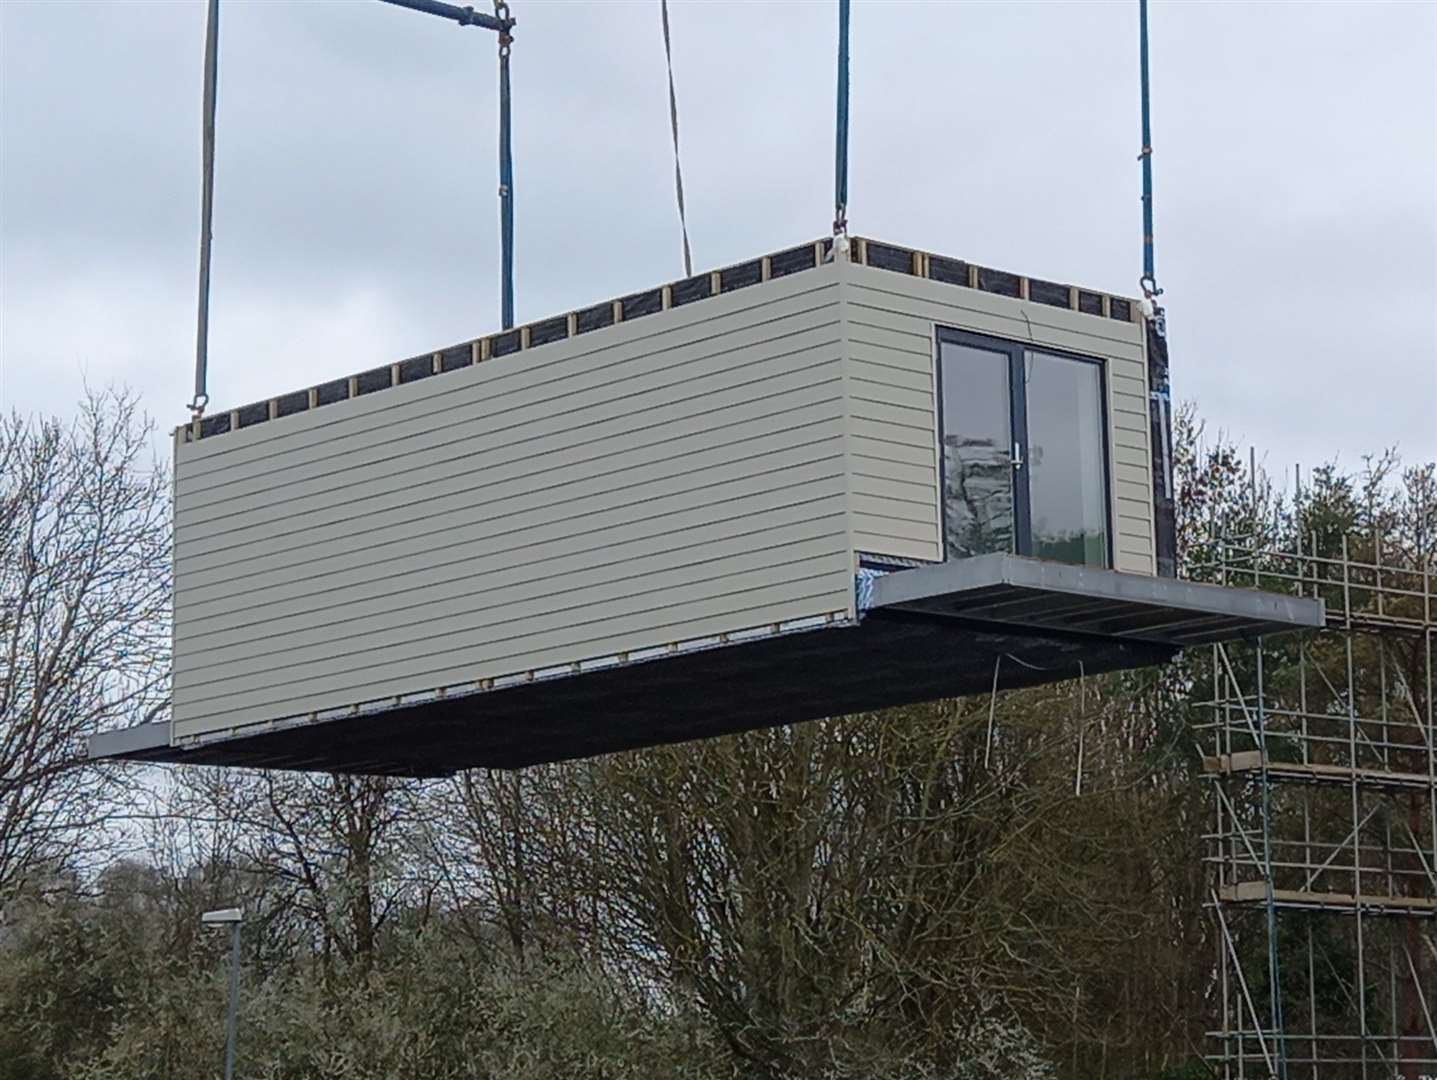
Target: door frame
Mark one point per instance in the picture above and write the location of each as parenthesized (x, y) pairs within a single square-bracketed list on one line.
[(1018, 426)]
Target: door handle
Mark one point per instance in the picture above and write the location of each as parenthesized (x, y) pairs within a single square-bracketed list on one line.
[(1017, 455)]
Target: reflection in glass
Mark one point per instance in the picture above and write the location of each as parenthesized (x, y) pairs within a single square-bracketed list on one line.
[(977, 451), (1067, 500)]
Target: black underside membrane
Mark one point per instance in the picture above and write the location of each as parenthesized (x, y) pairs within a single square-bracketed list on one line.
[(641, 304), (415, 368), (505, 343), (289, 404), (214, 425), (803, 257), (456, 357), (367, 382), (1048, 292), (1000, 282), (890, 658), (596, 317), (699, 287), (250, 415), (330, 392), (542, 333), (886, 257), (951, 271), (742, 276)]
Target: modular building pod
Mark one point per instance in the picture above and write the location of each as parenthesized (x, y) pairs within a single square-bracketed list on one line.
[(802, 486)]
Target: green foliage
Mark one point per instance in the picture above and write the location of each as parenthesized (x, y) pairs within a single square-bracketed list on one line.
[(936, 892), (82, 1000), (1189, 1070)]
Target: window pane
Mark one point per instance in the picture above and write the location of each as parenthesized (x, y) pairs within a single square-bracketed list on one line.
[(1066, 489), (977, 451)]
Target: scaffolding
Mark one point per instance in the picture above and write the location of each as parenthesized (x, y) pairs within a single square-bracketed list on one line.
[(1321, 753)]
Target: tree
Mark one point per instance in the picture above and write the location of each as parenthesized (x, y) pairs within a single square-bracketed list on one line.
[(878, 895), (331, 851), (84, 607), (939, 892)]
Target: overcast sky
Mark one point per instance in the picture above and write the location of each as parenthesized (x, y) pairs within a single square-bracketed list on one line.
[(356, 221)]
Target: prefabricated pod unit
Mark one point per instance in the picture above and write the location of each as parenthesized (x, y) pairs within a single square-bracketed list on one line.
[(660, 517)]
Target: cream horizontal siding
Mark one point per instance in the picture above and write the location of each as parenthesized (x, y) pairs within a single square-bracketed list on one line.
[(892, 441), (559, 639), (890, 322), (378, 516), (437, 415), (677, 477), (519, 630), (823, 477)]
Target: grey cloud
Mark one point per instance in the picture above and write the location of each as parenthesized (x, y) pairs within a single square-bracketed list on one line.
[(1296, 161)]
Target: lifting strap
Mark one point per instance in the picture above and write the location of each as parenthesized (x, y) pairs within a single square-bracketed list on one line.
[(840, 142), (1160, 421), (1149, 279), (506, 169), (207, 199), (501, 22), (674, 127)]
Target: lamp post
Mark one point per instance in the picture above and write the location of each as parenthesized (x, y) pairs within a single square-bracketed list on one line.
[(230, 917)]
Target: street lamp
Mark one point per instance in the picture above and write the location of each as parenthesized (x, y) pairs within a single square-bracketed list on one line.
[(229, 917)]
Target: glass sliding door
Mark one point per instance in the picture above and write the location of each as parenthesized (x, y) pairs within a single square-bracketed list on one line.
[(977, 451), (1024, 451), (1067, 489)]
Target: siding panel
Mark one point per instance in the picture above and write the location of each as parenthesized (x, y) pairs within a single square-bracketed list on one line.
[(915, 377), (873, 295), (891, 427), (491, 413), (678, 477), (890, 322), (561, 638), (294, 646), (879, 506), (307, 588), (889, 487), (374, 504), (885, 470), (771, 428), (449, 587), (891, 393), (531, 518), (739, 317)]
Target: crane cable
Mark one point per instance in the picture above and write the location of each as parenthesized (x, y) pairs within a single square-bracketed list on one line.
[(674, 127)]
